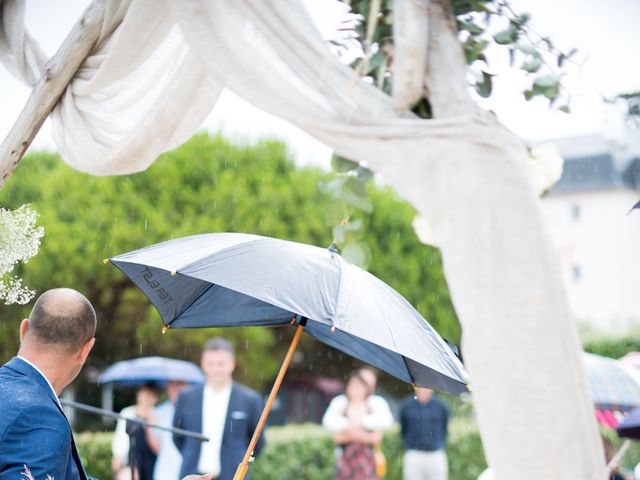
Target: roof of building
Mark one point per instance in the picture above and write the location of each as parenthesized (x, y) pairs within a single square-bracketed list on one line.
[(597, 172)]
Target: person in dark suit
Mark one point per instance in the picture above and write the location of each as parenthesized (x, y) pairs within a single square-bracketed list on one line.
[(224, 411), (34, 432)]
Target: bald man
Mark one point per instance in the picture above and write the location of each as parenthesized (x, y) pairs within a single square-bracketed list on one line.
[(34, 432)]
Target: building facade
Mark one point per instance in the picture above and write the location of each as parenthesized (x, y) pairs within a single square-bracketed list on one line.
[(597, 239)]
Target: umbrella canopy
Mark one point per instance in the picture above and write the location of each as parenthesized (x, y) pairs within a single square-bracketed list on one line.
[(630, 426), (612, 383), (152, 369), (232, 279), (632, 359)]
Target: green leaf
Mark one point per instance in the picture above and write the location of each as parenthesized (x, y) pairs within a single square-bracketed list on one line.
[(364, 173), (357, 253), (339, 234), (341, 165), (340, 231), (528, 95), (470, 27), (552, 91), (506, 37), (473, 49), (528, 49), (357, 186), (532, 66), (546, 81), (334, 187), (376, 61), (565, 109), (357, 201), (484, 88)]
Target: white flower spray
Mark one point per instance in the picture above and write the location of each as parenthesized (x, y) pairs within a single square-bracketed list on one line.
[(19, 241)]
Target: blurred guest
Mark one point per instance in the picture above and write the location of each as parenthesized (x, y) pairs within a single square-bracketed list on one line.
[(424, 421), (379, 415), (356, 421), (169, 458), (132, 445), (224, 411)]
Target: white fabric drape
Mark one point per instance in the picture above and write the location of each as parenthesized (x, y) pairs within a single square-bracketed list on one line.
[(148, 87)]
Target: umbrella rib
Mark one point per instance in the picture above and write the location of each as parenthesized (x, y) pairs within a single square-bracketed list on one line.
[(218, 252)]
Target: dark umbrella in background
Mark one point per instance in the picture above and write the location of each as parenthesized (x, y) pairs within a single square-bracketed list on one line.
[(233, 279), (630, 426)]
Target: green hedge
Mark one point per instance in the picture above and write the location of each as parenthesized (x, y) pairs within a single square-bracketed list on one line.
[(613, 347), (95, 452), (307, 452)]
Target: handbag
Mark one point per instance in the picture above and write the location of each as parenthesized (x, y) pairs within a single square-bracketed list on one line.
[(381, 461)]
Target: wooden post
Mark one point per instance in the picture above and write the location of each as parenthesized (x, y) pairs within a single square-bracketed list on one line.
[(49, 88), (241, 472)]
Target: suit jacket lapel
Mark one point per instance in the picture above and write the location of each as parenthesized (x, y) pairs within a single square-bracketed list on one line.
[(197, 418), (233, 400)]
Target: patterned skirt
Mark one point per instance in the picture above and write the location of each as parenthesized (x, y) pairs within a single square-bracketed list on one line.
[(356, 463)]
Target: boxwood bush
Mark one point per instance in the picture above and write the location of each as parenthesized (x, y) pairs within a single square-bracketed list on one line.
[(306, 452)]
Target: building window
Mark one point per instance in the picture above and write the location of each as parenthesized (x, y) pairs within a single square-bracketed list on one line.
[(576, 273), (575, 212)]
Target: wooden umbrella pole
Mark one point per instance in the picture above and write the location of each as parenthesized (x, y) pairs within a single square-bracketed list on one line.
[(242, 469)]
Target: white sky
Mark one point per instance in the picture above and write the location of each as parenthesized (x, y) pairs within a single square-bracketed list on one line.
[(605, 34)]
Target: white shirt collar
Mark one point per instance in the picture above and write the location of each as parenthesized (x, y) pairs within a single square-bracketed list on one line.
[(225, 392), (55, 395)]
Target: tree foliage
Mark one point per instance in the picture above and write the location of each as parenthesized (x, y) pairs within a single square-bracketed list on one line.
[(481, 24), (206, 185)]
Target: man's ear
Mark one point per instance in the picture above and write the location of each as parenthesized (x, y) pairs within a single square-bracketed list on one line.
[(24, 326), (86, 348)]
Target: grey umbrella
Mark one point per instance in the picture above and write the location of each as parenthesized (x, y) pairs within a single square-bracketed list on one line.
[(234, 279)]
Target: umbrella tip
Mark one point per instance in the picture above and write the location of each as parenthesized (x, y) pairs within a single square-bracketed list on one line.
[(173, 273), (333, 248), (106, 260), (165, 328)]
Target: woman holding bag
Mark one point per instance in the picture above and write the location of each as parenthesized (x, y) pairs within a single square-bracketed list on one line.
[(357, 420)]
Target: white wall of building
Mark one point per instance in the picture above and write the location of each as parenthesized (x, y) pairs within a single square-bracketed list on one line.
[(599, 249)]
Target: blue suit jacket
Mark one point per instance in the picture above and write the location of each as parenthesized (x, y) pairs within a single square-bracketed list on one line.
[(33, 428), (245, 407)]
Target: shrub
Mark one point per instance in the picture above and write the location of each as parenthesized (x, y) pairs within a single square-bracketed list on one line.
[(95, 452), (296, 452), (612, 347)]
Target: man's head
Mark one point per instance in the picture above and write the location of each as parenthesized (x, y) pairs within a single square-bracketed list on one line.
[(424, 395), (62, 325), (173, 389), (218, 362)]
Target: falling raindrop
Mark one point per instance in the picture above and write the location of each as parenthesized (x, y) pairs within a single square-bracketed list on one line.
[(145, 224)]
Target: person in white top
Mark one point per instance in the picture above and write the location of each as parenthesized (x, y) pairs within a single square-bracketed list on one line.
[(169, 459), (379, 415), (146, 446), (357, 420)]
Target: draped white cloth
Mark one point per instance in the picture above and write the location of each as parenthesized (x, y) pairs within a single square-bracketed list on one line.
[(149, 85)]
